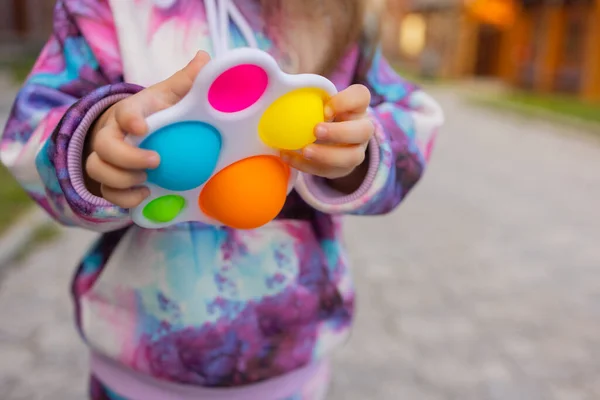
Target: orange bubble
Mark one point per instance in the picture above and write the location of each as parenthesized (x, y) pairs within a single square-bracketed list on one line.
[(248, 193)]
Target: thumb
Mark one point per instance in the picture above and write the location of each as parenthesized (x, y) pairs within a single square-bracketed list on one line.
[(179, 84)]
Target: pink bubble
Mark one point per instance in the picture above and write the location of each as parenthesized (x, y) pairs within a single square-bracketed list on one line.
[(238, 88)]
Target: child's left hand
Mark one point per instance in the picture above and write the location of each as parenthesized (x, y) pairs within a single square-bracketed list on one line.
[(341, 144)]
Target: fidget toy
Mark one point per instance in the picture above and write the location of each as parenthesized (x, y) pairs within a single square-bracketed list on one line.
[(220, 145)]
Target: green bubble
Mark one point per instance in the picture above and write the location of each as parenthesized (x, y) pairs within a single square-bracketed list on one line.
[(164, 209)]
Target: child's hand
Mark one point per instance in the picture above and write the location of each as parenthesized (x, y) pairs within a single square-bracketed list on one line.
[(341, 145), (114, 169)]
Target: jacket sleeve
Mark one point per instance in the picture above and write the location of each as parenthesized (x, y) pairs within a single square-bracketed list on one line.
[(406, 123), (77, 76)]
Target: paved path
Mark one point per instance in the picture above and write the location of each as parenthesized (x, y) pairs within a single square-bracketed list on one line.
[(484, 286)]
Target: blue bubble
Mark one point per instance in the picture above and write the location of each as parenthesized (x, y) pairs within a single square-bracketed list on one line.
[(189, 152)]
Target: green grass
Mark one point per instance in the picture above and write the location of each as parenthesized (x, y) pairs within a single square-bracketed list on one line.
[(413, 76), (409, 75), (530, 104), (13, 200), (20, 68)]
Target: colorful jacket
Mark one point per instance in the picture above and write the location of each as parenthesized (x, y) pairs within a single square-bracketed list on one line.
[(198, 304)]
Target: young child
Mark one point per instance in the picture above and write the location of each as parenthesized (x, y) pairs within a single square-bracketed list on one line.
[(197, 311)]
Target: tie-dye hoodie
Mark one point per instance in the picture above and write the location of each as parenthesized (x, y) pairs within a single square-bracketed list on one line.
[(197, 304)]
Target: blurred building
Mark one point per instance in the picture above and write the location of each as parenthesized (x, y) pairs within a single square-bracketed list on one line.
[(541, 45), (24, 24), (561, 47), (26, 18)]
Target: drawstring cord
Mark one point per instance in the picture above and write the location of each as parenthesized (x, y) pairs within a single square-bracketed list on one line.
[(218, 15)]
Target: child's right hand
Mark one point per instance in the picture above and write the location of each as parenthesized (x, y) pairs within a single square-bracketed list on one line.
[(114, 169)]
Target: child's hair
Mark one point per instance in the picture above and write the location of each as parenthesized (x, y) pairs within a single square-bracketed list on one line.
[(320, 32)]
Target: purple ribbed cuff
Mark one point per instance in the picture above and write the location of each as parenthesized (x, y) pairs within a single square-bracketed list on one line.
[(320, 195), (325, 194), (75, 149), (64, 152)]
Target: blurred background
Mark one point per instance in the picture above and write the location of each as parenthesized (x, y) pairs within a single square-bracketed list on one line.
[(485, 284)]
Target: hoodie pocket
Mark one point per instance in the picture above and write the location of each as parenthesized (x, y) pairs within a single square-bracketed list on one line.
[(218, 307)]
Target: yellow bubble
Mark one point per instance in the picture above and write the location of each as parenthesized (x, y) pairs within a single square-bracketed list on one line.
[(289, 123)]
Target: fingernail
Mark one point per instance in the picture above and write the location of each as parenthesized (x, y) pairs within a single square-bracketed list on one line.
[(153, 159), (141, 178), (320, 132), (308, 153), (144, 191), (328, 112), (139, 127)]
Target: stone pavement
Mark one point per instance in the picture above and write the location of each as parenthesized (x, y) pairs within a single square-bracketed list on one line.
[(485, 285)]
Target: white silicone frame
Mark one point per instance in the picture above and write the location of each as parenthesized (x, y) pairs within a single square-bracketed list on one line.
[(195, 107)]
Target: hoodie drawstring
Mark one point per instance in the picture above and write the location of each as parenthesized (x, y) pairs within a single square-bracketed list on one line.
[(218, 14)]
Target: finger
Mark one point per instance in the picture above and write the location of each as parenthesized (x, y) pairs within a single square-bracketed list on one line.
[(335, 156), (349, 116), (106, 174), (131, 113), (131, 116), (347, 132), (180, 83), (354, 99), (110, 147), (310, 167), (127, 198)]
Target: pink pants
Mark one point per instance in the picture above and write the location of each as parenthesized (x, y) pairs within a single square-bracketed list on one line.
[(112, 382)]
